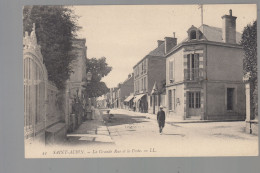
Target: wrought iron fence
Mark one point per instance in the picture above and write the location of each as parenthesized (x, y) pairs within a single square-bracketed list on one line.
[(193, 74)]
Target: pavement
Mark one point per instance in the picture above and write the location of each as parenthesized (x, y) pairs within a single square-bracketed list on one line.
[(139, 131), (91, 132), (169, 119)]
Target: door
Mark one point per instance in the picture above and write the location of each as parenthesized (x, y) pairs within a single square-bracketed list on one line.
[(193, 105)]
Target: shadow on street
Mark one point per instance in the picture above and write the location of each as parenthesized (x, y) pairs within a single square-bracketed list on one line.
[(182, 135), (120, 119)]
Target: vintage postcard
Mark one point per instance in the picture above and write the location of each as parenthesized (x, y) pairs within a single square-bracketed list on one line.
[(140, 81)]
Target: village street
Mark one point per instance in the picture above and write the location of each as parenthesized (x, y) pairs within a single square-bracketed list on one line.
[(133, 130)]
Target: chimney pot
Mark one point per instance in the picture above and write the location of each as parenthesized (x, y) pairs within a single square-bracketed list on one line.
[(229, 28), (173, 34)]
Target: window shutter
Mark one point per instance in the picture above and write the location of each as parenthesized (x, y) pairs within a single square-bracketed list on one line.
[(171, 70), (196, 61), (196, 65), (186, 74)]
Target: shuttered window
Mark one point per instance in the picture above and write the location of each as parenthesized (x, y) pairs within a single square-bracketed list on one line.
[(192, 66), (170, 99), (171, 70)]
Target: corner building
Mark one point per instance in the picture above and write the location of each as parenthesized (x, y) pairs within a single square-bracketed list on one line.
[(204, 74)]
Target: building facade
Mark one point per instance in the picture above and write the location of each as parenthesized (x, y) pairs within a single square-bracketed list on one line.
[(204, 74), (148, 72), (126, 88)]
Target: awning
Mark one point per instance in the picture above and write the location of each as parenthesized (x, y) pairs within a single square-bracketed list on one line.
[(138, 97), (129, 98), (155, 89)]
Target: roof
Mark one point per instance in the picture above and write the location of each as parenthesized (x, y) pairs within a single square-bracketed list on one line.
[(157, 52), (215, 34), (210, 33)]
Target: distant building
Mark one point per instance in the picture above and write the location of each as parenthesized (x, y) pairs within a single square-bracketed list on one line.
[(204, 74), (148, 71), (126, 88), (114, 97)]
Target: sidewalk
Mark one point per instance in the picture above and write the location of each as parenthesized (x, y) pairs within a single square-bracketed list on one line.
[(91, 132), (168, 119)]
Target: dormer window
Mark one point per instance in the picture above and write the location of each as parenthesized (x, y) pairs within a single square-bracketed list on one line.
[(192, 35)]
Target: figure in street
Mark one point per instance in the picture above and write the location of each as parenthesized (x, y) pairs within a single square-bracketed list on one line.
[(92, 112), (161, 119)]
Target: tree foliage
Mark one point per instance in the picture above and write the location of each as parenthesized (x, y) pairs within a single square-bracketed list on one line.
[(249, 44), (55, 28), (99, 69)]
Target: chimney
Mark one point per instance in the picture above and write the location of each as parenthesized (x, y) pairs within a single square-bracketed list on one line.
[(170, 42), (160, 42), (129, 76), (229, 28)]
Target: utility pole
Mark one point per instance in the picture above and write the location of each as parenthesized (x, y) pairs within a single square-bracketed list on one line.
[(201, 15)]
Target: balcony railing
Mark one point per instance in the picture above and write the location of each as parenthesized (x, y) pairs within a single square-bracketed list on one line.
[(193, 74)]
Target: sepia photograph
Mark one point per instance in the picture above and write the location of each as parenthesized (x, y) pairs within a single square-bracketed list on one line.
[(104, 81)]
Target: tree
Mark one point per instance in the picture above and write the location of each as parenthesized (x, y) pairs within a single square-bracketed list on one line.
[(249, 44), (99, 69), (56, 26)]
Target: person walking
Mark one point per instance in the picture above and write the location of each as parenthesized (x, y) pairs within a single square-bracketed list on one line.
[(161, 119), (92, 112)]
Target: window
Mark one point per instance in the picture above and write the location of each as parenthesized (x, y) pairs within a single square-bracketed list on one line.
[(142, 68), (192, 66), (136, 86), (145, 66), (170, 99), (145, 83), (192, 35), (151, 101), (142, 84), (174, 100), (230, 98), (197, 102), (194, 99), (171, 75)]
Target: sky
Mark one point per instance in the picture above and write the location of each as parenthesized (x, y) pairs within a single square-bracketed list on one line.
[(124, 34)]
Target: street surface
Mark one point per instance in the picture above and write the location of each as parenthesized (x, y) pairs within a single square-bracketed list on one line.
[(138, 132)]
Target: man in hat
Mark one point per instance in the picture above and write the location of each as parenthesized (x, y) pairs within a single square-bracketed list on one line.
[(161, 119)]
